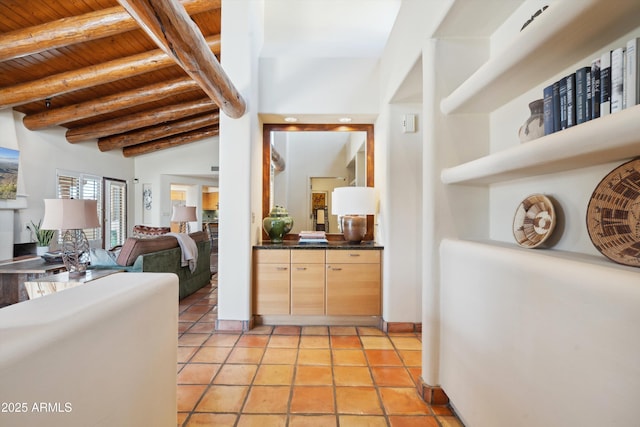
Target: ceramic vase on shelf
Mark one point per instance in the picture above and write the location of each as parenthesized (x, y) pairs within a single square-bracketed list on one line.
[(533, 128), (277, 224), (41, 250)]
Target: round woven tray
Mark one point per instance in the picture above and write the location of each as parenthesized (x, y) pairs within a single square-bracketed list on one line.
[(534, 221), (613, 214)]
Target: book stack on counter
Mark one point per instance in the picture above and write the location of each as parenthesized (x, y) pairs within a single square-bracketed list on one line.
[(609, 84), (316, 237)]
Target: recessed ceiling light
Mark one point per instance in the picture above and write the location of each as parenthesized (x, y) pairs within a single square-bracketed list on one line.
[(344, 119), (290, 119)]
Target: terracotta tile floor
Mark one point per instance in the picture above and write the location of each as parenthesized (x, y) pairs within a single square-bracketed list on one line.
[(294, 376)]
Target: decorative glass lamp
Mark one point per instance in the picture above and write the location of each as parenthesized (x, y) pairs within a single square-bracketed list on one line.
[(72, 216), (352, 205), (184, 215)]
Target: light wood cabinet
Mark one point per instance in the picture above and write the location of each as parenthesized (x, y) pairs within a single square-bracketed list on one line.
[(307, 281), (316, 282), (271, 281), (353, 282), (210, 201)]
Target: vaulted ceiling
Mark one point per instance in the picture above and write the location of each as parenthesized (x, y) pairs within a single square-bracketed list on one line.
[(90, 67)]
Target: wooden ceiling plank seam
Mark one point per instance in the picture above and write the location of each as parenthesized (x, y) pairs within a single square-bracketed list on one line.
[(157, 132), (110, 71), (135, 121), (108, 104), (75, 29), (167, 22), (170, 142)]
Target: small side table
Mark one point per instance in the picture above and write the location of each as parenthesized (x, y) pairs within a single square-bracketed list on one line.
[(58, 282)]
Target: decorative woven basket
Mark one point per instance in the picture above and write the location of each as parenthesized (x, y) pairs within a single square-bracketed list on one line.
[(613, 214), (534, 221)]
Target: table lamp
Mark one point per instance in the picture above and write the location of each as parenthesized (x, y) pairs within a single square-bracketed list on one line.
[(72, 216), (184, 215), (353, 204)]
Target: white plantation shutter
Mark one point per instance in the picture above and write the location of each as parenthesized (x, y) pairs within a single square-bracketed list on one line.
[(75, 185), (115, 222)]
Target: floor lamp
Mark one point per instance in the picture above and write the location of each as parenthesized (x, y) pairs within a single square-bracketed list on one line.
[(353, 204), (72, 216), (184, 215)]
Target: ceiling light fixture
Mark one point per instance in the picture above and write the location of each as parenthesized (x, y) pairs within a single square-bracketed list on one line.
[(290, 119), (344, 119)]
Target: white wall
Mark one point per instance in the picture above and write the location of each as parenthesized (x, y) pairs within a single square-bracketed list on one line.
[(400, 185), (189, 164), (403, 219), (530, 339), (45, 151), (319, 86), (240, 161)]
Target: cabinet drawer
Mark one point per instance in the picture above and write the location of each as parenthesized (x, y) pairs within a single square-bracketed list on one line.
[(307, 256), (272, 256), (353, 256)]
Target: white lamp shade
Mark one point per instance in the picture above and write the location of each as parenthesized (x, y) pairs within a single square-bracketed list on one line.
[(70, 214), (353, 201), (184, 214)]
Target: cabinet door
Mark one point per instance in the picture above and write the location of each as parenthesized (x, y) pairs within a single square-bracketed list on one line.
[(353, 289), (271, 289), (307, 289)]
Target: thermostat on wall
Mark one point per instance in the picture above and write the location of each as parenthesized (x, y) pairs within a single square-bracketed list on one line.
[(409, 123)]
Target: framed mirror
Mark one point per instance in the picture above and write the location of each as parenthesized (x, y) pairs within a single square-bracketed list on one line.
[(274, 165)]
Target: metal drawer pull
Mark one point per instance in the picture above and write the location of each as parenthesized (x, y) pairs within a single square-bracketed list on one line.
[(281, 268), (334, 268), (354, 254), (301, 268)]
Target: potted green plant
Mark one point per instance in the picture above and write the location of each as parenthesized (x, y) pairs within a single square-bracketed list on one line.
[(43, 237)]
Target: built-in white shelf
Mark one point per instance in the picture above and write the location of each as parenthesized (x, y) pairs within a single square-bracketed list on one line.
[(598, 261), (565, 33), (606, 139)]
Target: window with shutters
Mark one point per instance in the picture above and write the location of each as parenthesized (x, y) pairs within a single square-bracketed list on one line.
[(75, 185), (115, 212)]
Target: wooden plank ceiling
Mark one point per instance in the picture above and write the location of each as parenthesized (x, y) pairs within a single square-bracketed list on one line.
[(89, 66)]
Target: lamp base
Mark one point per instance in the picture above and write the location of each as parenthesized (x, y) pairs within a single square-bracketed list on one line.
[(354, 228), (75, 252)]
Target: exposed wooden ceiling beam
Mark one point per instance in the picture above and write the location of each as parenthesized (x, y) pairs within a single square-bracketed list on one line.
[(167, 22), (174, 141), (106, 72), (90, 26), (157, 132), (108, 104), (143, 119)]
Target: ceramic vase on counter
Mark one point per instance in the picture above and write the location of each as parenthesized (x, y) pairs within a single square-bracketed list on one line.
[(277, 224), (533, 128)]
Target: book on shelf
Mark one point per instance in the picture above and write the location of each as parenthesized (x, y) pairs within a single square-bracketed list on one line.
[(583, 94), (605, 84), (548, 110), (556, 106), (632, 77), (617, 79), (595, 88), (571, 99), (563, 103)]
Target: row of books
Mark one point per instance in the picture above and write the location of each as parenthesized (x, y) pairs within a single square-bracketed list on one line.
[(609, 85)]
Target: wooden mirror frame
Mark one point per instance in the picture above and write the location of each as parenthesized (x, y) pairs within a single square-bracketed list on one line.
[(283, 127)]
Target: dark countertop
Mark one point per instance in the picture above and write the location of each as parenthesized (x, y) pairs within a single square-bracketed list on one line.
[(294, 244)]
